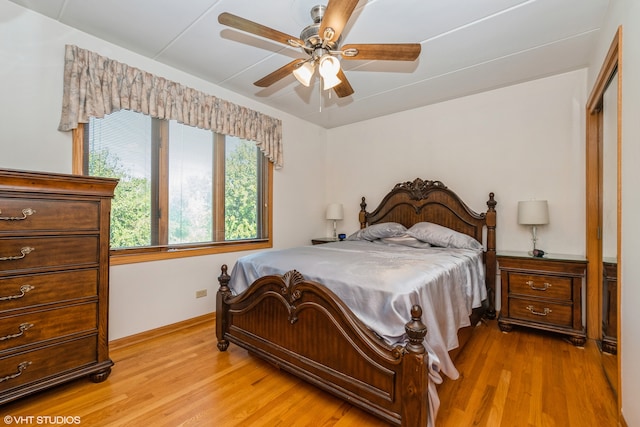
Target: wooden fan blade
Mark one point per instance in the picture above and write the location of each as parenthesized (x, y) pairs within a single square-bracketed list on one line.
[(242, 24), (335, 17), (279, 74), (344, 88), (388, 52)]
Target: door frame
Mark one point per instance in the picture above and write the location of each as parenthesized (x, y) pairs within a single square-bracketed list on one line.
[(594, 194)]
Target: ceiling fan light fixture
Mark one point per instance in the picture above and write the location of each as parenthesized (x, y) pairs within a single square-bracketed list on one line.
[(330, 81), (321, 42), (329, 66), (304, 73)]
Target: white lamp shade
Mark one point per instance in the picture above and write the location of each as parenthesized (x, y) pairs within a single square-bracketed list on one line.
[(533, 212), (335, 211), (304, 73)]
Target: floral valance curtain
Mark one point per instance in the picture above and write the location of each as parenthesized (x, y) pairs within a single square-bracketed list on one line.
[(95, 86)]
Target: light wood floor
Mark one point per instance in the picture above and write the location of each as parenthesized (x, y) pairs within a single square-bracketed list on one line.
[(180, 379)]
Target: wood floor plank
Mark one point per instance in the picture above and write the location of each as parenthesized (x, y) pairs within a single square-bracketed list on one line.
[(502, 392), (179, 378)]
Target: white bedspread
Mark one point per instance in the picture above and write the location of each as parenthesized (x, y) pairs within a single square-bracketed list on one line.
[(380, 283)]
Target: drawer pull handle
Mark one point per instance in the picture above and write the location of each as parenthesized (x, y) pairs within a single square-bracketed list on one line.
[(23, 291), (533, 286), (24, 251), (23, 327), (21, 367), (25, 213), (538, 313)]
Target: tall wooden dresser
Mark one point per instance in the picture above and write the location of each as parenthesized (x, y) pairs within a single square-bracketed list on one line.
[(54, 280)]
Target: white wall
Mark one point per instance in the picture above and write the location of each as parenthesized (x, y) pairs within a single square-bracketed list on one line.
[(521, 142), (627, 14), (147, 295)]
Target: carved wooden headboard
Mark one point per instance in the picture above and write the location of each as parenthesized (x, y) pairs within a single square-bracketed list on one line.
[(424, 200)]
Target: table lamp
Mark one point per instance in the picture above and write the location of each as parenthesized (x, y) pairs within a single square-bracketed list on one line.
[(335, 213), (533, 213)]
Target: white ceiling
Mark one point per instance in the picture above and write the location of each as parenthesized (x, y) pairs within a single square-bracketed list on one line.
[(468, 46)]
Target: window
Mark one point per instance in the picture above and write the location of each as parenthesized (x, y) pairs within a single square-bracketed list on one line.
[(182, 190)]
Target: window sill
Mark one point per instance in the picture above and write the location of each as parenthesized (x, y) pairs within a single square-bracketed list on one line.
[(131, 256)]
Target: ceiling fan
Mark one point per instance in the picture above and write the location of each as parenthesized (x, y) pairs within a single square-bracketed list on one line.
[(320, 41)]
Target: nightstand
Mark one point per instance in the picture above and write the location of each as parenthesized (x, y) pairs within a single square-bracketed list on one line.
[(543, 293), (321, 240)]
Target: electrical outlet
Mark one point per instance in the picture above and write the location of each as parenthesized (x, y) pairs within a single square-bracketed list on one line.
[(201, 293)]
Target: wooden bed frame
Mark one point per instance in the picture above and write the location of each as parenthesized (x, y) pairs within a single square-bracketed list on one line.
[(302, 327)]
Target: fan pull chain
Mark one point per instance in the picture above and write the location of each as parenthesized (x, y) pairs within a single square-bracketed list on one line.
[(321, 97)]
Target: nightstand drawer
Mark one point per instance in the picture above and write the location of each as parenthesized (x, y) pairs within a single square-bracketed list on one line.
[(540, 286), (541, 311)]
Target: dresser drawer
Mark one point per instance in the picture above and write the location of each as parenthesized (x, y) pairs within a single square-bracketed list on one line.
[(45, 252), (45, 215), (29, 290), (38, 365), (540, 286), (541, 311), (36, 326)]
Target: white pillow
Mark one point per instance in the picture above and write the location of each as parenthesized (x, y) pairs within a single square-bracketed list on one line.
[(438, 235), (379, 231)]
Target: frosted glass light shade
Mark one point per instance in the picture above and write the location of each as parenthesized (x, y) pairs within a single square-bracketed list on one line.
[(533, 212), (304, 73), (329, 67), (335, 211), (330, 82)]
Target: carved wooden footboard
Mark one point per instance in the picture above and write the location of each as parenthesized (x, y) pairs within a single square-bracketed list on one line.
[(302, 327)]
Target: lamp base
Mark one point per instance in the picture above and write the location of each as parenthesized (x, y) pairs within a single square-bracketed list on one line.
[(537, 253)]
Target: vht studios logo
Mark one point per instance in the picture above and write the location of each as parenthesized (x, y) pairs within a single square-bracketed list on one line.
[(41, 420)]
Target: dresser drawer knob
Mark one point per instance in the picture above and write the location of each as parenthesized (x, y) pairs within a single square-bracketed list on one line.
[(25, 213), (21, 367), (533, 286), (545, 312), (23, 327), (23, 291), (24, 251)]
